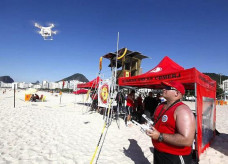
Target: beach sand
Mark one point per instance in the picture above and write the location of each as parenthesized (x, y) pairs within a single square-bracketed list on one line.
[(50, 132)]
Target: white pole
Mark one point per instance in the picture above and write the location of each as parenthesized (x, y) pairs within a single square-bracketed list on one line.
[(117, 48)]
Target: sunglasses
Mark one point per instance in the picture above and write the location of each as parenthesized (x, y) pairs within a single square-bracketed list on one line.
[(169, 88)]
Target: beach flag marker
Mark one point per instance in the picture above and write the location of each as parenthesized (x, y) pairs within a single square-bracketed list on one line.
[(61, 91), (14, 93)]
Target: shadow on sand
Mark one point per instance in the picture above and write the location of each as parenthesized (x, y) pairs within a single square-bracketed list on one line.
[(135, 153), (220, 143), (86, 104)]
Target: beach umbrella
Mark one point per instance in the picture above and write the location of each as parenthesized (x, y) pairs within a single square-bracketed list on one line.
[(31, 91)]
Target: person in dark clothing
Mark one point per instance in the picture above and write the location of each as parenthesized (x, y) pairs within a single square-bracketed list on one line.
[(150, 104), (120, 100), (139, 108), (37, 96), (94, 97), (33, 98), (156, 102)]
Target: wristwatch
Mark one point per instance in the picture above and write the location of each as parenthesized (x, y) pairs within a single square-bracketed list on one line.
[(160, 138)]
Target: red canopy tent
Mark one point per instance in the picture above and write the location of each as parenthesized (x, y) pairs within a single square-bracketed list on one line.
[(192, 79), (91, 84), (80, 91)]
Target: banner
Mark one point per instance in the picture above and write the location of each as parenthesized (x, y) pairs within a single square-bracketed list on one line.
[(103, 93)]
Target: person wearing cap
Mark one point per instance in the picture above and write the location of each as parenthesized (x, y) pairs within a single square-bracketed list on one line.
[(174, 127)]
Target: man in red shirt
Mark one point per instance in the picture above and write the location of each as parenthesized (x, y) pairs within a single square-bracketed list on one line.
[(130, 105), (174, 127)]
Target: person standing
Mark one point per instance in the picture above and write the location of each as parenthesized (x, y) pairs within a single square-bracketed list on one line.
[(149, 105), (139, 108), (120, 100), (174, 127), (156, 102), (129, 107)]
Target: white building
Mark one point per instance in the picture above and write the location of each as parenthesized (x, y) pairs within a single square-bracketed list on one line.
[(5, 85), (24, 85), (225, 88), (37, 86), (53, 85), (45, 84), (73, 84), (60, 84)]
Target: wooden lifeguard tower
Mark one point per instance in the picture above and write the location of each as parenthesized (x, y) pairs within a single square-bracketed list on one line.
[(128, 62)]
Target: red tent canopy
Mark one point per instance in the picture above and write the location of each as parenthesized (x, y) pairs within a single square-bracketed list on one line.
[(153, 76), (91, 84), (166, 65), (168, 70), (81, 91), (205, 92)]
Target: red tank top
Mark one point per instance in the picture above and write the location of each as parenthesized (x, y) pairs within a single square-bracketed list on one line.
[(167, 124), (130, 102)]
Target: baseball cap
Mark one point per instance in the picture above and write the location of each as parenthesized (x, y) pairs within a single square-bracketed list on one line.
[(179, 86)]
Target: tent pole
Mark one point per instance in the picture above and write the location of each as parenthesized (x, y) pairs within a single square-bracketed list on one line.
[(196, 135)]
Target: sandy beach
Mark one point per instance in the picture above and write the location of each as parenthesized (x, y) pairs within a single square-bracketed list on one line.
[(66, 133)]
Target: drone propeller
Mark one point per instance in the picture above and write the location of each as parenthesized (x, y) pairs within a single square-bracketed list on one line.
[(37, 25), (54, 32), (51, 25)]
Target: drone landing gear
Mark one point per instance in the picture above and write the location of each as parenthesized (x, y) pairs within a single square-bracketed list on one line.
[(48, 38)]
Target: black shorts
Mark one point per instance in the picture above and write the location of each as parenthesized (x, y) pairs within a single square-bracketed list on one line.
[(129, 110), (165, 158)]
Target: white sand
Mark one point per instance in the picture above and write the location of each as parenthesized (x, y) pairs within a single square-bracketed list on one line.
[(50, 132)]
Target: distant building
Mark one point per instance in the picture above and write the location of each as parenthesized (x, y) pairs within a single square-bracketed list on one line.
[(37, 86), (23, 85), (225, 85), (73, 84), (5, 85), (53, 85), (225, 88), (60, 84), (45, 84)]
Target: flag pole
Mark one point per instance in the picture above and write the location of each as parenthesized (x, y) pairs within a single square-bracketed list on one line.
[(62, 91), (14, 93), (117, 48)]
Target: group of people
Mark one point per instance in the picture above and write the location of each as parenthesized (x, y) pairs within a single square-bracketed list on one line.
[(34, 97), (137, 106), (173, 131)]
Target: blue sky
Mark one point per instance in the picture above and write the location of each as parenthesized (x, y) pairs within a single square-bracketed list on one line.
[(194, 33)]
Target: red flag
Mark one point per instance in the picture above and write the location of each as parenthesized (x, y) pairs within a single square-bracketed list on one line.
[(63, 83)]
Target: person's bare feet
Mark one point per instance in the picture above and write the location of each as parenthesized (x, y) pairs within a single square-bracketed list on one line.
[(129, 124)]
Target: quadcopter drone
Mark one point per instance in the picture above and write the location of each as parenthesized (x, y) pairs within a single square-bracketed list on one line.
[(46, 32)]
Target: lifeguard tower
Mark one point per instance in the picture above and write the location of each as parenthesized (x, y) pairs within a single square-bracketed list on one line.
[(128, 62)]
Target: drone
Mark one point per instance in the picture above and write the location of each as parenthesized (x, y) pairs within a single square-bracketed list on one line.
[(46, 32)]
